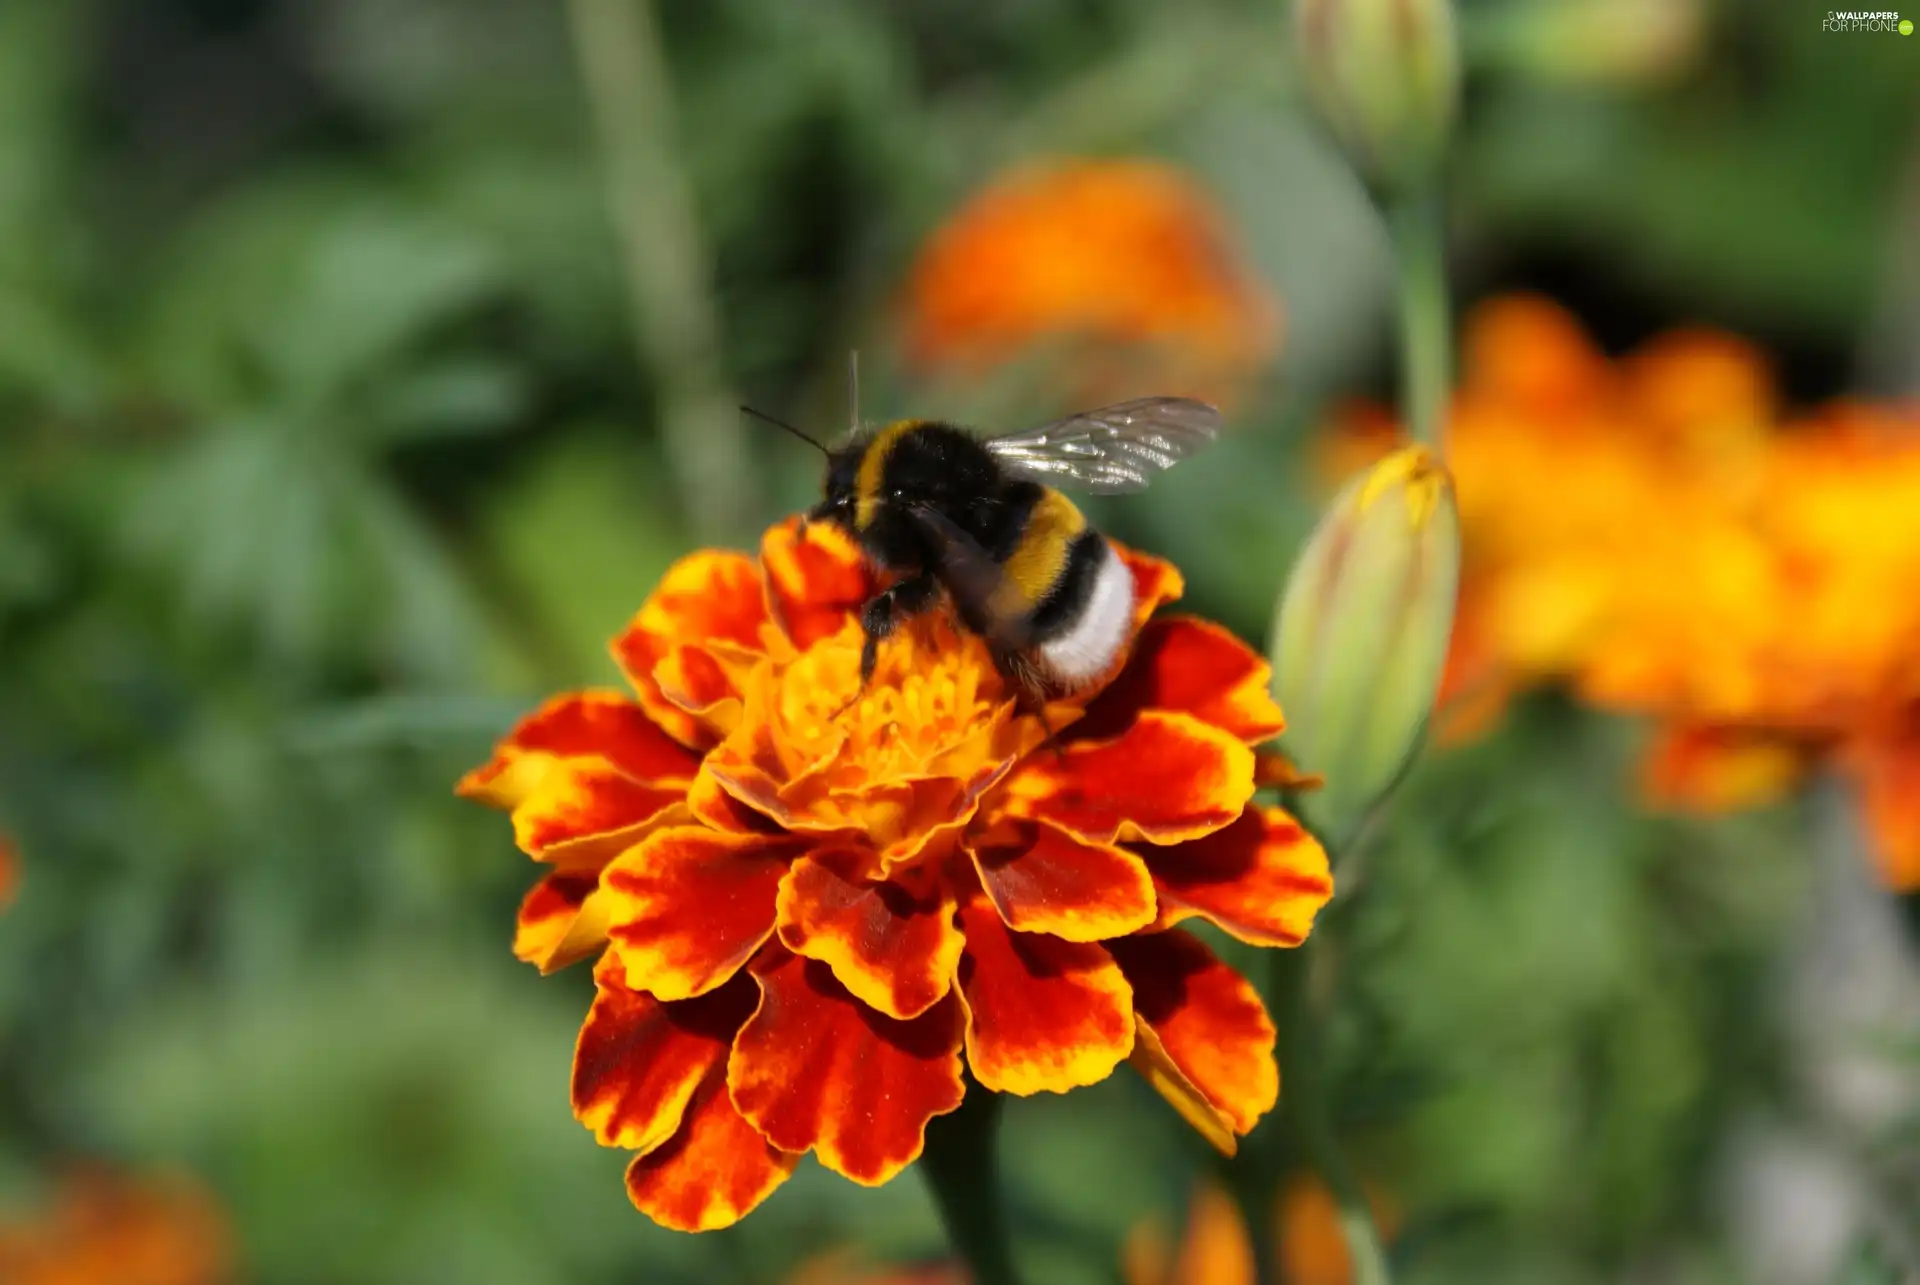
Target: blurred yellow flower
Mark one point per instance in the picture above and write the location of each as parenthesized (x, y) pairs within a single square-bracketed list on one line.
[(111, 1229), (1654, 532), (1128, 259)]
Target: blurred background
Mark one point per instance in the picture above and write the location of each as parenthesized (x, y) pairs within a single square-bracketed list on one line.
[(362, 365)]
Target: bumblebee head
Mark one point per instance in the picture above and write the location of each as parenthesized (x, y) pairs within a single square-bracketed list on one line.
[(841, 493)]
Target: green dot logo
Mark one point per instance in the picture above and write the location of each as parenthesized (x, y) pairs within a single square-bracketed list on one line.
[(1906, 26)]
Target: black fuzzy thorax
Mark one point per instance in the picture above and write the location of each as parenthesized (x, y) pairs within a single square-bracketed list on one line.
[(942, 467)]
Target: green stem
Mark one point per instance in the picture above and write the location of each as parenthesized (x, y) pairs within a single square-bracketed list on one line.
[(1418, 230), (665, 258), (1304, 1111), (959, 1167)]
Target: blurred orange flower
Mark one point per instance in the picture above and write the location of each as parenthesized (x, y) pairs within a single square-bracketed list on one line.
[(808, 907), (110, 1229), (1652, 532), (9, 872), (1217, 1250), (1126, 257)]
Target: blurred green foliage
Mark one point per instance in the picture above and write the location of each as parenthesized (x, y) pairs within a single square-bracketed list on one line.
[(324, 451)]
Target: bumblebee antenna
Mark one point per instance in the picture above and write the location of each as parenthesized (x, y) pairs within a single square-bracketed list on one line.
[(853, 389), (781, 423)]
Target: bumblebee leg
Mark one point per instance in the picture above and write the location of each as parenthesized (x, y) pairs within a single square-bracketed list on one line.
[(882, 615), (1030, 694)]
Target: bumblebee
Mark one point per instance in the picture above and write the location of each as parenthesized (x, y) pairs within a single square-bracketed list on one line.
[(976, 520)]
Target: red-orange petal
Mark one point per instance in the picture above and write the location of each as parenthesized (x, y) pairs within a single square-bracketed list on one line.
[(1156, 582), (562, 920), (706, 597), (1206, 1042), (1043, 1015), (688, 906), (714, 1172), (816, 582), (1194, 667), (1167, 779), (1263, 879), (815, 1069), (584, 810), (578, 725), (1043, 880), (638, 1060), (894, 947)]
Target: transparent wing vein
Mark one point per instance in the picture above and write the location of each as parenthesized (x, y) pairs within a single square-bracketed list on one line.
[(1112, 450)]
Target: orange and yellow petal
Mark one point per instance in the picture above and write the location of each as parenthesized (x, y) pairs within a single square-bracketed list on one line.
[(1262, 879), (815, 582), (712, 1173), (1044, 880), (1194, 667), (639, 1060), (1043, 1015), (562, 920), (707, 602), (893, 946), (1206, 1042), (687, 907), (1720, 769), (1273, 770), (816, 1070), (712, 805), (584, 811), (1168, 778), (579, 726)]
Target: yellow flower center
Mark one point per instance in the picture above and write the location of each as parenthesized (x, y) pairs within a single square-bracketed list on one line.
[(933, 691)]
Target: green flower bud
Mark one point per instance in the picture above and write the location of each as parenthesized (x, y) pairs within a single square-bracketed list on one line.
[(1361, 635), (1386, 75)]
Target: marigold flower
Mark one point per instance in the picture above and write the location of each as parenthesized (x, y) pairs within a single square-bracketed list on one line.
[(809, 911), (1125, 257), (112, 1229), (1650, 532)]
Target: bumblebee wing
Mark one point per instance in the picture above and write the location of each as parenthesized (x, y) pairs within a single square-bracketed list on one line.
[(971, 578), (1113, 450)]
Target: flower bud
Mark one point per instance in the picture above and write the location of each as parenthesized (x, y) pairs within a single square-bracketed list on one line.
[(1362, 632), (1386, 76)]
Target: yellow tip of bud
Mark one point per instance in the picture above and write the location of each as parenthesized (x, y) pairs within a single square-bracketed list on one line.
[(1362, 630)]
